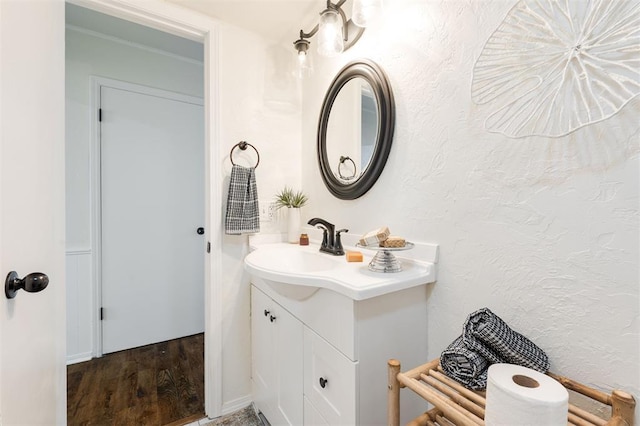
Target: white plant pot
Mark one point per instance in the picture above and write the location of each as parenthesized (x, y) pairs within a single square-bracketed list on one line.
[(293, 225)]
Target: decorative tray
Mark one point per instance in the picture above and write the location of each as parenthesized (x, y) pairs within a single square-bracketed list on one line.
[(408, 246), (384, 260)]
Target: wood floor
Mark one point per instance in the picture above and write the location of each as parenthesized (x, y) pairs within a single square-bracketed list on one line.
[(159, 384)]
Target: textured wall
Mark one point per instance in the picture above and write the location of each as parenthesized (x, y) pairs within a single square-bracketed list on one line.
[(542, 231)]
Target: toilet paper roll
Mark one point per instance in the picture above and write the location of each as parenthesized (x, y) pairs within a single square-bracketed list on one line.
[(520, 396)]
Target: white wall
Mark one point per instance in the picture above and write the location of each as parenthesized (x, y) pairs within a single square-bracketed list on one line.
[(542, 231), (258, 104), (89, 55)]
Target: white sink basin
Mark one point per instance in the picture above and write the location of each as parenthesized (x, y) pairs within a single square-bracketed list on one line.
[(298, 272), (298, 261)]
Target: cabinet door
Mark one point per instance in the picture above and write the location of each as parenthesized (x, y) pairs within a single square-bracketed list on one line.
[(277, 356), (288, 357), (329, 380), (262, 361)]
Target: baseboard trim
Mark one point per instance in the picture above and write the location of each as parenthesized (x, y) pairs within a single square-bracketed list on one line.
[(196, 418), (236, 404), (74, 359)]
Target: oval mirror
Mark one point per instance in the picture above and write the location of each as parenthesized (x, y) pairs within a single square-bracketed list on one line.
[(355, 129)]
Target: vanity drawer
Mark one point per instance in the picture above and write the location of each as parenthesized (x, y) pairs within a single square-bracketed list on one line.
[(329, 381), (336, 325), (312, 416)]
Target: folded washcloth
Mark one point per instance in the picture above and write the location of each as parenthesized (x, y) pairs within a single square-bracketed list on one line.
[(243, 214), (464, 365), (487, 334)]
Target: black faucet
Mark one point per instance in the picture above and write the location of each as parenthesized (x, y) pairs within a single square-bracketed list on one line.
[(330, 239)]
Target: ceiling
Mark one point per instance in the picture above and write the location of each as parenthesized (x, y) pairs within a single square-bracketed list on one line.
[(96, 22), (279, 21)]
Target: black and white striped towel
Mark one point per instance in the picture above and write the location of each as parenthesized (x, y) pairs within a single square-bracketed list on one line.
[(243, 213), (487, 334), (465, 365)]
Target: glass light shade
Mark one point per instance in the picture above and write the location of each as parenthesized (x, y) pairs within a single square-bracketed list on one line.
[(303, 65), (330, 42), (365, 11)]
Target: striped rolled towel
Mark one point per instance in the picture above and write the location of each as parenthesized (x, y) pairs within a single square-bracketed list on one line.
[(487, 334), (464, 365)]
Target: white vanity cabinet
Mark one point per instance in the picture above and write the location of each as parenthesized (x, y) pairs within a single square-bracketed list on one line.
[(323, 359)]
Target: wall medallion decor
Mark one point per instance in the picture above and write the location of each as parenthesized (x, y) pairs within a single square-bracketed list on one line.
[(552, 67)]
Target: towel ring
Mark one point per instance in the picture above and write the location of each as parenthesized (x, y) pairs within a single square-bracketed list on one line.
[(243, 146), (342, 160)]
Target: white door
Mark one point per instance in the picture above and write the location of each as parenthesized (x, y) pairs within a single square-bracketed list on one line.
[(152, 204), (32, 325)]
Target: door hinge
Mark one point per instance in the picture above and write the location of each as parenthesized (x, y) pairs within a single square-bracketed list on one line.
[(101, 314), (100, 114), (208, 246)]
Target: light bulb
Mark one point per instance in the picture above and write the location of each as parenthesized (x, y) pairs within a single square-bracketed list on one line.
[(330, 41), (304, 65), (365, 11)]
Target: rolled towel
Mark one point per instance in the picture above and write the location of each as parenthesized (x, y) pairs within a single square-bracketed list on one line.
[(487, 334), (465, 365)]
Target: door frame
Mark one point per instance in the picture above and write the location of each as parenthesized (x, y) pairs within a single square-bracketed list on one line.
[(96, 185), (194, 26)]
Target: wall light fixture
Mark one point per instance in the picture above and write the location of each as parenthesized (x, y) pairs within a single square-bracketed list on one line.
[(335, 33), (365, 11)]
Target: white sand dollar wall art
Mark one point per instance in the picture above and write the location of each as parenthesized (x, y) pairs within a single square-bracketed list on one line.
[(552, 67)]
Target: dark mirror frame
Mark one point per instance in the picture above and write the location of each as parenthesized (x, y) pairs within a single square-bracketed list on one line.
[(379, 82)]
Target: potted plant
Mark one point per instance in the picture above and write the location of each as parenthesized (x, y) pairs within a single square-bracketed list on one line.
[(293, 200)]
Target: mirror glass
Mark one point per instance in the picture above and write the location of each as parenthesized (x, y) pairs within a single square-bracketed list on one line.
[(355, 129), (352, 130)]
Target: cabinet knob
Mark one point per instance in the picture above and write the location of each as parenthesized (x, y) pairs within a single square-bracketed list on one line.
[(272, 318), (323, 382), (266, 313)]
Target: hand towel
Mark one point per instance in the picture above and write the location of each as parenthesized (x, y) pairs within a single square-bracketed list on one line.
[(487, 334), (465, 365), (243, 213)]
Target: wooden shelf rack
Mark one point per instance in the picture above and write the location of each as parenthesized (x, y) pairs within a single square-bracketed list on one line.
[(455, 405)]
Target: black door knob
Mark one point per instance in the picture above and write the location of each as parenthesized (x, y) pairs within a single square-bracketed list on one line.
[(323, 382), (32, 283), (200, 231)]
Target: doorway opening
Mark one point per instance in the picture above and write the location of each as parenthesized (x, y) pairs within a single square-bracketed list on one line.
[(108, 47), (150, 247)]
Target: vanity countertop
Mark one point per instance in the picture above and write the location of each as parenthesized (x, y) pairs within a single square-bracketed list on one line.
[(308, 268)]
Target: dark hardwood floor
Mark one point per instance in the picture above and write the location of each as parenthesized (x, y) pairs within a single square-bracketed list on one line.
[(159, 384)]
